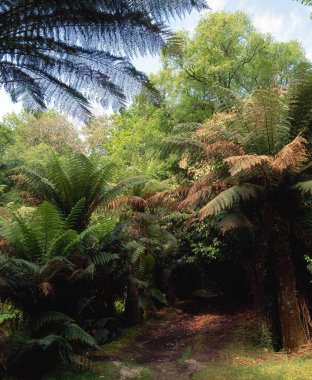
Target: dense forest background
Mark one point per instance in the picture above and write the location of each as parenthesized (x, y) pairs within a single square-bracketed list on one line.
[(201, 186)]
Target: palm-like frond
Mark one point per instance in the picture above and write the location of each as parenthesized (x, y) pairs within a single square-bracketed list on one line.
[(67, 53)]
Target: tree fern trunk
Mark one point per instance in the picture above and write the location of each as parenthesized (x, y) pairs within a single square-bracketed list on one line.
[(293, 331), (132, 307), (168, 285), (264, 302)]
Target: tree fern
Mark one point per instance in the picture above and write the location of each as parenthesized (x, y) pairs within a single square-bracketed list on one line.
[(75, 185), (70, 53)]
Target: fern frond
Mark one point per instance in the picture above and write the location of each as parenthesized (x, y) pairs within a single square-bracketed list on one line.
[(49, 317), (167, 197), (49, 226), (70, 54), (72, 332), (300, 100), (229, 198), (196, 198), (228, 221), (206, 180), (263, 123), (103, 258), (292, 157), (75, 213), (223, 149), (304, 187), (132, 201), (121, 187), (55, 265), (239, 164), (138, 250), (147, 264)]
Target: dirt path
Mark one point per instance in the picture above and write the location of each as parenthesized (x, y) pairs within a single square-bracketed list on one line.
[(181, 340)]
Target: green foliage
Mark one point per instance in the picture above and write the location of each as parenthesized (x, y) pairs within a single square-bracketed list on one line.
[(226, 59), (9, 313), (75, 184)]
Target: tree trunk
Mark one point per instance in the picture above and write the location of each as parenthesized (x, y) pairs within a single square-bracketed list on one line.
[(264, 302), (132, 307), (293, 332), (168, 285)]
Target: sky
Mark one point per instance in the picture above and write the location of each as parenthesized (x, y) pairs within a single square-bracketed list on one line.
[(284, 19)]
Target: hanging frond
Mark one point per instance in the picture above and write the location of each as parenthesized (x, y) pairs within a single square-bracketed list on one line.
[(131, 201), (229, 198), (228, 221), (168, 197), (69, 54), (196, 198), (206, 180)]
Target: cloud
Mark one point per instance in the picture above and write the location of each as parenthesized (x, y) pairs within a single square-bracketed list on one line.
[(270, 23), (217, 5), (6, 104)]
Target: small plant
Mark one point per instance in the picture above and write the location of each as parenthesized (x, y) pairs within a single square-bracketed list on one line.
[(119, 306), (8, 313)]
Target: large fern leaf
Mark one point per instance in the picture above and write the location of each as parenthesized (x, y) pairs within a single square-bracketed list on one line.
[(229, 198)]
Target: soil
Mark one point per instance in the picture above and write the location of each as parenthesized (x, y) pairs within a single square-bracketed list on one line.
[(180, 340)]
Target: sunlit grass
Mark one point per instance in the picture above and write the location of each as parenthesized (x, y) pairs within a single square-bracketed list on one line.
[(282, 369)]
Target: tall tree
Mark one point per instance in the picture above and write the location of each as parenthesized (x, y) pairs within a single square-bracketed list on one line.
[(68, 53), (226, 58)]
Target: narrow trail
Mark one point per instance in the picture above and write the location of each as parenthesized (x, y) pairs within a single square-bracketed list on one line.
[(181, 340)]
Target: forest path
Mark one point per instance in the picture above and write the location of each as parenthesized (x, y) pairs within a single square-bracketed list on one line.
[(181, 340)]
